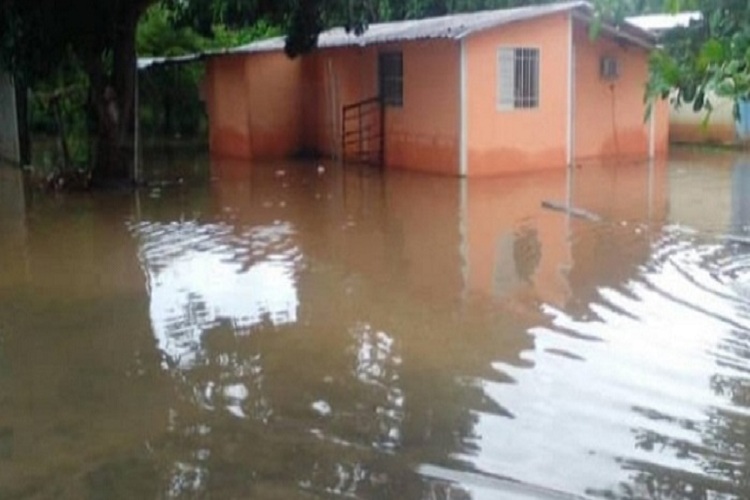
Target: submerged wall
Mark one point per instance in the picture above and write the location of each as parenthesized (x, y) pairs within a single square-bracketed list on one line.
[(254, 105), (502, 141), (266, 105), (610, 114)]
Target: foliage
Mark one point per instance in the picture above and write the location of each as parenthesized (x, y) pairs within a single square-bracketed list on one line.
[(57, 109), (156, 36), (37, 38), (170, 104), (709, 57)]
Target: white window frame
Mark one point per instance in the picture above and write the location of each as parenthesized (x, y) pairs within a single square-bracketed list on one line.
[(501, 101)]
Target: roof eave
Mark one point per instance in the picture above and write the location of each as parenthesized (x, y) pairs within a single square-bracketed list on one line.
[(634, 34)]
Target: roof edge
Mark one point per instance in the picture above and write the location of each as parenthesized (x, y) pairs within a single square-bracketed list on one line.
[(581, 9), (551, 10)]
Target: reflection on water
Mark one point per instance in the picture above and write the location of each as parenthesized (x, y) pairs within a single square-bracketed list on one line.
[(201, 274), (289, 331)]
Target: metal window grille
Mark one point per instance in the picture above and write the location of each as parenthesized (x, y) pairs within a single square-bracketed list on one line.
[(391, 78), (518, 78)]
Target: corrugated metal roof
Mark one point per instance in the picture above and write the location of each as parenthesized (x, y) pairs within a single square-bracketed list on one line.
[(664, 22), (455, 27), (452, 27)]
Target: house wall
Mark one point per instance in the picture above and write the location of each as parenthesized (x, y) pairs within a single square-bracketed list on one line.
[(225, 90), (254, 103), (424, 135), (502, 141), (274, 104), (609, 119), (421, 135), (268, 106), (265, 105), (334, 78)]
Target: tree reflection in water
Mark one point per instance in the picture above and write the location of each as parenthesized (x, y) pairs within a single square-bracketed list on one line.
[(296, 381)]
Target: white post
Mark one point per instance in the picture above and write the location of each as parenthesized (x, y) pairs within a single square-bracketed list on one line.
[(463, 147), (570, 146), (652, 131)]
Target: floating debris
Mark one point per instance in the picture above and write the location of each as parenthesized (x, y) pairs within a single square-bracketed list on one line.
[(573, 211)]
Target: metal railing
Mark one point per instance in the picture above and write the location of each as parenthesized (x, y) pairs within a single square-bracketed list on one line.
[(363, 132)]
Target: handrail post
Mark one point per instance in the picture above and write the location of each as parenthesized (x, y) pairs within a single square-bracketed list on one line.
[(381, 105), (343, 135), (361, 134), (362, 139)]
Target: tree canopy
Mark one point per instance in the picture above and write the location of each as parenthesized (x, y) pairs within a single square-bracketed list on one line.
[(709, 57)]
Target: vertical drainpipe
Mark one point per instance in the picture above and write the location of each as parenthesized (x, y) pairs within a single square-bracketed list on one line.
[(463, 155), (570, 152), (652, 131)]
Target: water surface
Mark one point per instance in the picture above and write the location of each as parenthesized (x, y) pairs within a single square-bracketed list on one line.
[(298, 330)]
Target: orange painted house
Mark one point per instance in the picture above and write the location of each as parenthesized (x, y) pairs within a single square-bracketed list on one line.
[(476, 94)]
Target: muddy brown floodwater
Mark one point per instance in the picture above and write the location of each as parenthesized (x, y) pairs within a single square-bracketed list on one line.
[(287, 331)]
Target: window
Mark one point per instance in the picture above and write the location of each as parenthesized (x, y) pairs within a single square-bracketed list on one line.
[(391, 78), (518, 78)]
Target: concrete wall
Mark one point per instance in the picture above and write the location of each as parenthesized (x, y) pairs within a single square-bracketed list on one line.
[(254, 105), (609, 120), (501, 141), (687, 126), (268, 106), (226, 96)]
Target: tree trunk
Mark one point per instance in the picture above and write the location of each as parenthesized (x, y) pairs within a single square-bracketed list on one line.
[(22, 108), (62, 137), (112, 97)]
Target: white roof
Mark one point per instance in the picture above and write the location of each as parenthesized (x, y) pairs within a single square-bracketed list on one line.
[(147, 62), (454, 27), (664, 22)]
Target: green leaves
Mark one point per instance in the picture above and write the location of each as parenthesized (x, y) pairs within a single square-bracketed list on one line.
[(709, 57), (711, 52)]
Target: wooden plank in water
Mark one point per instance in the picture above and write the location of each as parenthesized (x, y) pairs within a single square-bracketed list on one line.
[(580, 213)]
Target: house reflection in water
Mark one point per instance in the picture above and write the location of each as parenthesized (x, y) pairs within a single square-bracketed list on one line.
[(392, 284), (201, 275)]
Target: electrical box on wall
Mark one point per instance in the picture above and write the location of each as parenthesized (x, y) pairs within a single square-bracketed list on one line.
[(609, 68)]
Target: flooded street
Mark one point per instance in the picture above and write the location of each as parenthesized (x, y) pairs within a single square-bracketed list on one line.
[(302, 331)]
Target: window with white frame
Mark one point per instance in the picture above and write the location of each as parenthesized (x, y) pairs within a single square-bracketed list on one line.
[(518, 78), (391, 78)]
